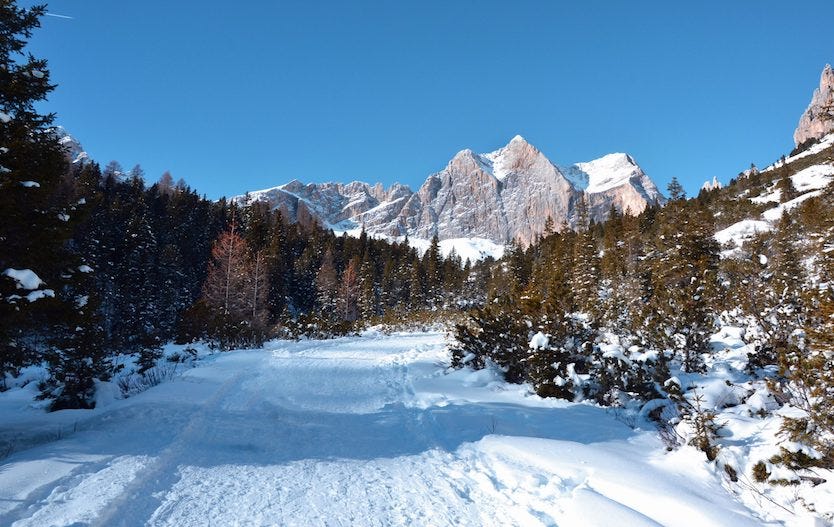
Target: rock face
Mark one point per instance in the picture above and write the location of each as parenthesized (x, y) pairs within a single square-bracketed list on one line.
[(334, 204), (502, 196), (818, 119)]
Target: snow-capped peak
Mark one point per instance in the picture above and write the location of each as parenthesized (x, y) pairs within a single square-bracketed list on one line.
[(73, 148), (500, 163), (607, 172)]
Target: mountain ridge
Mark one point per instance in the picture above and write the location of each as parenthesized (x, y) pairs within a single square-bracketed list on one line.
[(503, 196)]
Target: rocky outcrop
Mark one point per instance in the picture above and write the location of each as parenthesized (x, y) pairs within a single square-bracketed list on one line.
[(74, 151), (502, 196), (818, 119), (334, 205)]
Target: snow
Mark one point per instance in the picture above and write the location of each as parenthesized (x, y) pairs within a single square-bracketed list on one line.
[(740, 232), (824, 143), (85, 269), (605, 173), (768, 197), (774, 214), (5, 118), (539, 341), (813, 178), (30, 184), (472, 249), (39, 294), (25, 278), (368, 430)]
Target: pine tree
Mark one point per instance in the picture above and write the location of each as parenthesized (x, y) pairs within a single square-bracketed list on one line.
[(809, 370), (433, 265), (586, 274), (76, 357), (36, 220), (676, 190), (368, 290), (327, 285), (784, 308), (138, 275), (684, 276), (787, 191)]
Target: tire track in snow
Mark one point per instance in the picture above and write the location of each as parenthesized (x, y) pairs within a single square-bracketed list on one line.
[(138, 501)]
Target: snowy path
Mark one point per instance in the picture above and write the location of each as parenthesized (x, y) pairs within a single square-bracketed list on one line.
[(357, 431)]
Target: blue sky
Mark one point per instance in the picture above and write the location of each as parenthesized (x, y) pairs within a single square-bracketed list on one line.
[(236, 96)]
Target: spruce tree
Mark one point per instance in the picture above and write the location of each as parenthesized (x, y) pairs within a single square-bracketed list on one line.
[(676, 190), (586, 274), (36, 220), (327, 285)]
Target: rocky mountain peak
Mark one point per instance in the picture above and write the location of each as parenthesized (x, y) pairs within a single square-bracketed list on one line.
[(818, 119), (75, 152), (504, 195)]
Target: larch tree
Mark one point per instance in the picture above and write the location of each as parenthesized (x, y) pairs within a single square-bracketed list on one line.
[(226, 292)]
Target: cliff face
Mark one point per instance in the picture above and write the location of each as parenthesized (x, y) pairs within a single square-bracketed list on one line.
[(504, 195), (818, 119)]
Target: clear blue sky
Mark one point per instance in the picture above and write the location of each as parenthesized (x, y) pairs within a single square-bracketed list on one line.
[(236, 96)]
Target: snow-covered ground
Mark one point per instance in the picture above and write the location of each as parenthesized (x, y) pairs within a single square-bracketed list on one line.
[(809, 182), (366, 431), (472, 249)]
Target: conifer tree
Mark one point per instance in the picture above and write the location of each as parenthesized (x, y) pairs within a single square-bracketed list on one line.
[(787, 191), (684, 282), (784, 305), (327, 285), (433, 265), (36, 221), (349, 292), (368, 290), (585, 276), (676, 190)]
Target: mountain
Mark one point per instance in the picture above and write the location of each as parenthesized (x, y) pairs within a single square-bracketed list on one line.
[(501, 196), (75, 152), (615, 179), (340, 206), (818, 119)]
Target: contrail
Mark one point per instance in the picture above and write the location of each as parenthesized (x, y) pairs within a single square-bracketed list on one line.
[(60, 16)]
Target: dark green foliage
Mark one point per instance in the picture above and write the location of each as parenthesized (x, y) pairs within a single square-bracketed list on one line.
[(495, 335), (675, 190)]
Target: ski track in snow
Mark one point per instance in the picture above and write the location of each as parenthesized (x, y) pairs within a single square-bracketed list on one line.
[(355, 431)]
